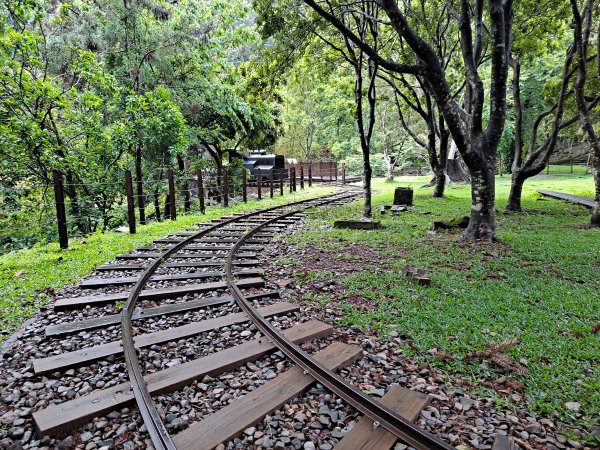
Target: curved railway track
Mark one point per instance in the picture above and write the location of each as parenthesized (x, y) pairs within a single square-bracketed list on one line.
[(221, 250)]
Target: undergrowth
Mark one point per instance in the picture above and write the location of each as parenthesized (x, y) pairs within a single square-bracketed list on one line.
[(534, 297)]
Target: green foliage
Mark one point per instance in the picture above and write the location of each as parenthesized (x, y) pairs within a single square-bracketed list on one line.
[(354, 165), (93, 88)]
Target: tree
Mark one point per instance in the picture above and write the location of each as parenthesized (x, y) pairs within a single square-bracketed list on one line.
[(419, 102), (582, 27), (476, 141)]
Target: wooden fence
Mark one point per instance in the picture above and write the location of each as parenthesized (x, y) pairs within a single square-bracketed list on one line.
[(186, 191)]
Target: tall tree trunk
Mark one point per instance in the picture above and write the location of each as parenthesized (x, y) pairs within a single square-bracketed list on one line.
[(582, 24), (139, 182), (442, 162), (483, 214), (516, 189), (390, 169), (596, 210), (367, 213), (440, 182)]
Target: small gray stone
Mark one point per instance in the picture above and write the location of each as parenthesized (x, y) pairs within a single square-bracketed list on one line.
[(17, 432), (534, 428), (121, 430), (309, 445), (377, 392), (66, 443), (87, 436)]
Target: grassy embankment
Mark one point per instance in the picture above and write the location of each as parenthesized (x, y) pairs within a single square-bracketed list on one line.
[(28, 276), (541, 286)]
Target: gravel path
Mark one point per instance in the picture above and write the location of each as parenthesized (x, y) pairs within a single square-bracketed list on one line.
[(315, 420)]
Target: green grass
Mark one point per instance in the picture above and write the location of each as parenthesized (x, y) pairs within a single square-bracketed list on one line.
[(29, 276), (539, 286)]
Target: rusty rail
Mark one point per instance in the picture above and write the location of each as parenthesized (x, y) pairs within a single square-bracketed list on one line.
[(381, 415), (156, 428)]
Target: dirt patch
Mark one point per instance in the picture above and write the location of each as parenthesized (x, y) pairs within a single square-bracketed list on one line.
[(350, 258)]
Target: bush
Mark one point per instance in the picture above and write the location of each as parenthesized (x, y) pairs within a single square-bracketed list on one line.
[(354, 165)]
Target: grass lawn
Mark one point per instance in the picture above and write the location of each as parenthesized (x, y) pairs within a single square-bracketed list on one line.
[(540, 286), (28, 277)]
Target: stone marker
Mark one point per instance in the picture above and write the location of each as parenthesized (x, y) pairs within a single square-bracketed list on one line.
[(398, 208), (458, 222), (403, 196), (358, 224)]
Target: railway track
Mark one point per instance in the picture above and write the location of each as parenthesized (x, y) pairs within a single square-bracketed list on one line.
[(200, 302)]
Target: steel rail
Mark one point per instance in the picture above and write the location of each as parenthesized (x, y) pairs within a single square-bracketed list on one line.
[(156, 428), (381, 415)]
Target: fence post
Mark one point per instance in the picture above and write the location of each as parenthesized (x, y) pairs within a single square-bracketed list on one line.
[(331, 169), (291, 179), (271, 183), (130, 202), (219, 179), (200, 190), (225, 189), (321, 169), (281, 176), (141, 200), (343, 173), (157, 206), (259, 184), (186, 190), (309, 174), (294, 183), (186, 198), (172, 205), (336, 170), (244, 185), (61, 215), (301, 176)]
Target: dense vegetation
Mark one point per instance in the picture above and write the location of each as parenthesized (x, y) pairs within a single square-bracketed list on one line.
[(93, 88)]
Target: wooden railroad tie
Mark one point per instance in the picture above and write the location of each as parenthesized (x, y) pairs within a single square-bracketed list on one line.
[(245, 411), (70, 414), (97, 283), (365, 435), (184, 255), (140, 314), (154, 294), (187, 264), (97, 352)]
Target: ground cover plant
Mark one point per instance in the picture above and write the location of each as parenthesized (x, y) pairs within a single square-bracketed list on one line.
[(29, 277), (526, 310)]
